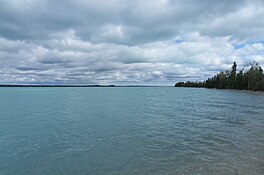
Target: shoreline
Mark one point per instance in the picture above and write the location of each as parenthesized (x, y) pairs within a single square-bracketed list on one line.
[(244, 90), (82, 86), (235, 90), (113, 86)]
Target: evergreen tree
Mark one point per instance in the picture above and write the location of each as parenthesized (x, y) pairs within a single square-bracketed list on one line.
[(253, 79)]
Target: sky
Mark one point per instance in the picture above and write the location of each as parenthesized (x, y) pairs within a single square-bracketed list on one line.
[(125, 42)]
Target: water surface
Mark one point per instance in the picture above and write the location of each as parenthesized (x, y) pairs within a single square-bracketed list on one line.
[(111, 131)]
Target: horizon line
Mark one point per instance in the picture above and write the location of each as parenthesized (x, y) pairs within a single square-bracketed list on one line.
[(78, 85)]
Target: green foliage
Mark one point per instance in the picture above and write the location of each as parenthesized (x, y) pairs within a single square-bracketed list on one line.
[(253, 79), (190, 84)]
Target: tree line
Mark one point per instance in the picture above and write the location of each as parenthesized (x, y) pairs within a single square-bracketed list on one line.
[(251, 79)]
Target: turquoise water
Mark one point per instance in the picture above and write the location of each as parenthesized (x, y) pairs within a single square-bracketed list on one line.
[(150, 131)]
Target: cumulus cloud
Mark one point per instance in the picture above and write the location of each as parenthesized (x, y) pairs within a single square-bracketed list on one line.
[(126, 42)]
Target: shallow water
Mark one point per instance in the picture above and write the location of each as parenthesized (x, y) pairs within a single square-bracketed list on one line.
[(151, 130)]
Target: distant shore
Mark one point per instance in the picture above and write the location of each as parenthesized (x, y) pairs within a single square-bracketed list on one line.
[(251, 79), (38, 85)]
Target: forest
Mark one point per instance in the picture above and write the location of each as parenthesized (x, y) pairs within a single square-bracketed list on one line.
[(251, 79)]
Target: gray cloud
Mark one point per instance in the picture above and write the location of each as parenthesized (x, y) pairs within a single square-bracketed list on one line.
[(126, 42)]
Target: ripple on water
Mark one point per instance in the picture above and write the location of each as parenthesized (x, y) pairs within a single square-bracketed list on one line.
[(130, 131)]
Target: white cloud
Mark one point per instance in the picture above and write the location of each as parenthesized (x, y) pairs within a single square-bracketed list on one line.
[(126, 42)]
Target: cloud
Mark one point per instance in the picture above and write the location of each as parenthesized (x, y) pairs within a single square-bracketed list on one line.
[(126, 42)]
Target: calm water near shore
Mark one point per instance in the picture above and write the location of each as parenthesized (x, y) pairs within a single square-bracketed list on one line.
[(112, 131)]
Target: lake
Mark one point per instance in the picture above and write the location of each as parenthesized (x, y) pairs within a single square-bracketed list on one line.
[(130, 130)]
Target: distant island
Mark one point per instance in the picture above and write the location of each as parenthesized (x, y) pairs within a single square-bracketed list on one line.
[(52, 85), (69, 85), (252, 79)]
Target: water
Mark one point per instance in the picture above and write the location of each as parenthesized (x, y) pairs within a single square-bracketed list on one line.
[(111, 131)]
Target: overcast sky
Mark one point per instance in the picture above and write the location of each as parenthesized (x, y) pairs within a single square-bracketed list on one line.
[(126, 41)]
